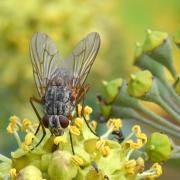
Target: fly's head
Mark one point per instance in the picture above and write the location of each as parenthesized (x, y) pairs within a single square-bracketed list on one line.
[(56, 123)]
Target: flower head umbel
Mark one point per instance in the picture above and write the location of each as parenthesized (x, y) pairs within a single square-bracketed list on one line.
[(53, 158)]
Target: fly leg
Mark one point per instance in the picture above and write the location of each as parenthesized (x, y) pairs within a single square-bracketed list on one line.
[(32, 100), (81, 95), (87, 121), (72, 147)]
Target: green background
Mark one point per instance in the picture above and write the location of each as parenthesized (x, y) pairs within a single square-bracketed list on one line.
[(120, 23)]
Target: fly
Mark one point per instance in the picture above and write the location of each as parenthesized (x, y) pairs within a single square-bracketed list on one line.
[(60, 83)]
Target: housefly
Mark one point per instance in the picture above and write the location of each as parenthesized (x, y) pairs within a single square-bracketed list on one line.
[(60, 82)]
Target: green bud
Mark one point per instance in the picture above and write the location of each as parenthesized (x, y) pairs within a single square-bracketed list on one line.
[(112, 89), (146, 62), (105, 110), (140, 83), (20, 163), (157, 46), (124, 99), (45, 160), (177, 85), (90, 145), (61, 166), (93, 174), (138, 50), (29, 173), (177, 39), (158, 147), (154, 39)]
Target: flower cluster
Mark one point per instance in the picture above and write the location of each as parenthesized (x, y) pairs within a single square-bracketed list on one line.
[(94, 157)]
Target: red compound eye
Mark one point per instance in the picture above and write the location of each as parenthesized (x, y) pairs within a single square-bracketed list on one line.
[(64, 122), (46, 121)]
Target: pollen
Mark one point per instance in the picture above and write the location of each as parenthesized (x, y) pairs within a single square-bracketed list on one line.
[(79, 109), (77, 160), (25, 124), (94, 124), (157, 169), (87, 110), (60, 139), (139, 165), (115, 124), (100, 144), (134, 145), (24, 147), (105, 151), (28, 138), (137, 131), (130, 166), (13, 173), (13, 120), (9, 129), (74, 130), (79, 122)]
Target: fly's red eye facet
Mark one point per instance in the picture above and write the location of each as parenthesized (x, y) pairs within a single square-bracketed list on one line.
[(46, 121), (64, 122)]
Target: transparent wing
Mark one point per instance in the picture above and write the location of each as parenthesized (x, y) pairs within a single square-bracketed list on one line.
[(45, 60), (82, 57)]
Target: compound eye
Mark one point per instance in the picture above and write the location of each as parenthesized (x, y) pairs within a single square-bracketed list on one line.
[(46, 121), (64, 122)]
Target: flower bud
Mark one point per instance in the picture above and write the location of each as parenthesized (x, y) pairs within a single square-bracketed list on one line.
[(158, 147), (154, 39), (61, 166), (112, 89), (157, 46), (90, 145), (140, 83), (93, 174), (29, 173)]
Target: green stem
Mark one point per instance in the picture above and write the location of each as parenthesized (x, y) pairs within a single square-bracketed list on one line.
[(166, 96), (158, 118), (168, 109), (175, 97), (4, 158), (16, 135), (129, 113)]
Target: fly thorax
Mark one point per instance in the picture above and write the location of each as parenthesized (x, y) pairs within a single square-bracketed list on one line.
[(58, 100)]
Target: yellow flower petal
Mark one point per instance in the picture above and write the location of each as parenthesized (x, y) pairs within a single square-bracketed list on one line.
[(9, 129), (87, 110), (74, 130), (158, 170), (13, 120), (77, 160), (79, 122), (130, 166), (25, 124), (139, 165), (100, 144), (105, 151), (115, 124), (136, 129), (28, 138), (94, 124), (13, 173), (79, 108), (60, 139), (134, 145)]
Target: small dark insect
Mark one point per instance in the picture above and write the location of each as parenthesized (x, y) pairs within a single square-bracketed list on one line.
[(60, 83)]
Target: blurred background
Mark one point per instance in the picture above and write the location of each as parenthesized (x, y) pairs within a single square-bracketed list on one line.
[(120, 23)]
